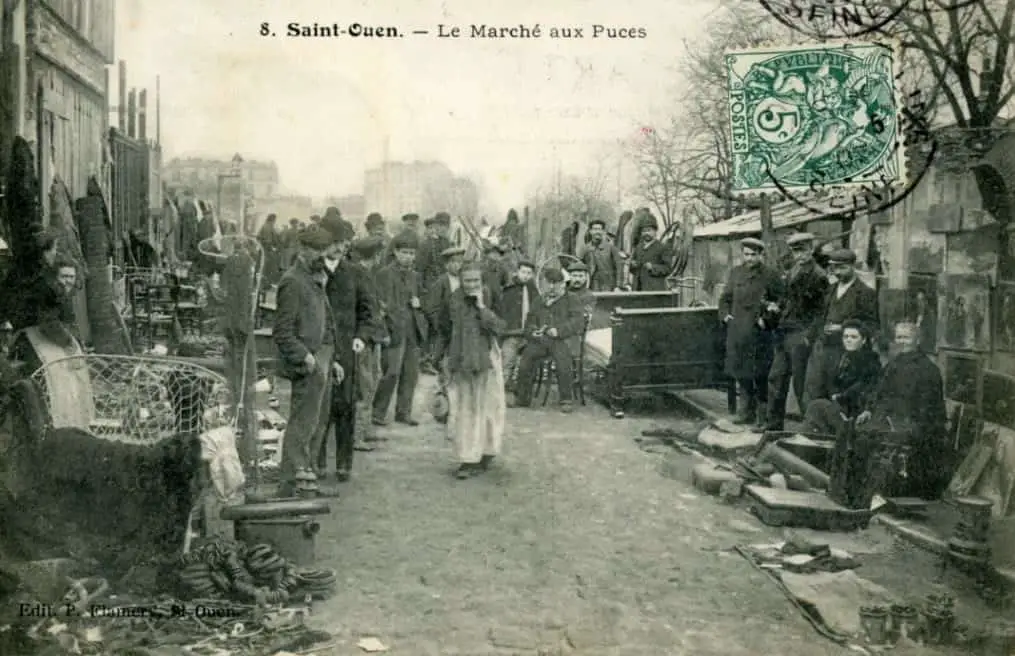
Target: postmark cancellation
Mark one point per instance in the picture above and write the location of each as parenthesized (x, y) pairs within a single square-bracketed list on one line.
[(815, 117)]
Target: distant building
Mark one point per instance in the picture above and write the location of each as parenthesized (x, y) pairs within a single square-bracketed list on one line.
[(352, 207), (261, 179), (397, 188)]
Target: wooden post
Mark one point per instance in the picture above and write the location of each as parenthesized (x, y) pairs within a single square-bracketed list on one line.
[(768, 230), (131, 113), (121, 109), (142, 115), (158, 110)]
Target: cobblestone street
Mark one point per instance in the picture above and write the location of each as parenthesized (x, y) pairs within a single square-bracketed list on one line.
[(573, 543)]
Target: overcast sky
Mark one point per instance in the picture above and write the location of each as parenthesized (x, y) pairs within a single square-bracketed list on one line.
[(501, 110)]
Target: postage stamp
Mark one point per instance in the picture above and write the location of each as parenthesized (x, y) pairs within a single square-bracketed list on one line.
[(815, 117)]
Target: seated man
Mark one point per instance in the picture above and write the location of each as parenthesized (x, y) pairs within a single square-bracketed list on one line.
[(910, 397), (853, 380), (578, 286), (555, 319)]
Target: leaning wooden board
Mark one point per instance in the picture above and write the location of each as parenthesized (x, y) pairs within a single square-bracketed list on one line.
[(778, 507), (68, 382)]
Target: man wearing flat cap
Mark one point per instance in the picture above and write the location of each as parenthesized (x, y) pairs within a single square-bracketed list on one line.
[(806, 286), (355, 323), (744, 307), (849, 298), (578, 285), (368, 252), (438, 295), (603, 259), (430, 266), (650, 263), (400, 291), (305, 335)]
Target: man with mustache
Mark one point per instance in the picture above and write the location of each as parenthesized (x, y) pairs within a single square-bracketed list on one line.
[(745, 307), (650, 263), (603, 260), (305, 335)]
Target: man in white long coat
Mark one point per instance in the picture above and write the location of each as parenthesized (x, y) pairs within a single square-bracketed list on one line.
[(476, 378)]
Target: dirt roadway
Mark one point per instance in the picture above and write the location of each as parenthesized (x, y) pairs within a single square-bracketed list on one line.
[(574, 543)]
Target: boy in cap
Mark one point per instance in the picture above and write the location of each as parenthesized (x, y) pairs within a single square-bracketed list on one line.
[(517, 300), (430, 265), (806, 286), (848, 298), (440, 291), (603, 259), (650, 263), (399, 288), (752, 292), (305, 334)]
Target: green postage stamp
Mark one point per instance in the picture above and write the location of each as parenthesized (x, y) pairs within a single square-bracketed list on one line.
[(814, 117)]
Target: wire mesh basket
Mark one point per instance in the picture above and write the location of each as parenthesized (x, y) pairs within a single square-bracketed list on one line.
[(132, 399)]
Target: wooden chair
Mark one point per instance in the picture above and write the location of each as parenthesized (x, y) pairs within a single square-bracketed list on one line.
[(547, 371)]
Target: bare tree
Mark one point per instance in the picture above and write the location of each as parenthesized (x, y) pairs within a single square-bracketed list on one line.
[(570, 202), (704, 159), (660, 164)]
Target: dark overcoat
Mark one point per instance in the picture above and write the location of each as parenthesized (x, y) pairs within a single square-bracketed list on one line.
[(396, 285), (747, 292), (658, 256)]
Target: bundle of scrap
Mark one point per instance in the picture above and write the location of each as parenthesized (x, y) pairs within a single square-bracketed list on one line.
[(222, 569)]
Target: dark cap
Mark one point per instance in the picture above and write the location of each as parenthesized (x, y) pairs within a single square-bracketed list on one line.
[(332, 213), (553, 275), (527, 263), (442, 218), (597, 222), (375, 220), (405, 239), (429, 221), (453, 251), (649, 222), (800, 239), (316, 238), (842, 256), (367, 247), (753, 244), (576, 266), (410, 218)]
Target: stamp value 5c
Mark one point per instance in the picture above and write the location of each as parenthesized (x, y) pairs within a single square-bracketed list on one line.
[(815, 116)]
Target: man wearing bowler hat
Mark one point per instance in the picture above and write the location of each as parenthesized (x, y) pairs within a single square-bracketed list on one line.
[(745, 307), (806, 285), (848, 298)]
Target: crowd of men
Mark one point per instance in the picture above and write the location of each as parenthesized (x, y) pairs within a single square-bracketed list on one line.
[(817, 331), (360, 318)]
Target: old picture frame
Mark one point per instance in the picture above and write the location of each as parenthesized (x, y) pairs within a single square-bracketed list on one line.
[(1004, 317), (964, 313), (962, 374), (999, 398), (922, 305)]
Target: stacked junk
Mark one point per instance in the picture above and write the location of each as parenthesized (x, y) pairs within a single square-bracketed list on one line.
[(791, 480)]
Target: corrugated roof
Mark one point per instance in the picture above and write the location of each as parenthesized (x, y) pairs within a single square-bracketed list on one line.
[(784, 215)]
